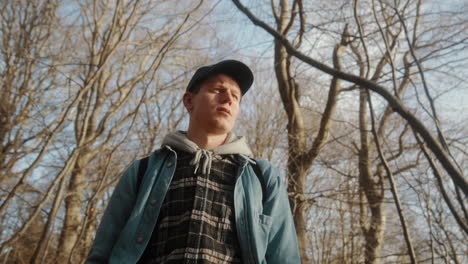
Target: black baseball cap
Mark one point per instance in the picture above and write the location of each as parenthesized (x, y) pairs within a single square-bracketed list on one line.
[(237, 70)]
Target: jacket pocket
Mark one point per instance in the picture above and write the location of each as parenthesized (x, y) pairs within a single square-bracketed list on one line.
[(265, 220), (261, 232)]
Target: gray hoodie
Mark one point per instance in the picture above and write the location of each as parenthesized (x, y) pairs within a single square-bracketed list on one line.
[(234, 145)]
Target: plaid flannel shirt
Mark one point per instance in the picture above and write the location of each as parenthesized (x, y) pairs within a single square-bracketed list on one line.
[(196, 223)]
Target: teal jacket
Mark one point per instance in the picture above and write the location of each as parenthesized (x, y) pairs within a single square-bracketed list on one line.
[(266, 231)]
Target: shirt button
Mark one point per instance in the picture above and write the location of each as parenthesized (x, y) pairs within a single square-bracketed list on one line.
[(169, 164), (153, 202), (139, 240)]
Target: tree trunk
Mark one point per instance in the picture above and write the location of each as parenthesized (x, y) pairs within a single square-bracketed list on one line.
[(373, 231), (296, 137), (73, 206)]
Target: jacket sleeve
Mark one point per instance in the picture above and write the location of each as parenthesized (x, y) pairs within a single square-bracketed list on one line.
[(282, 239), (115, 216)]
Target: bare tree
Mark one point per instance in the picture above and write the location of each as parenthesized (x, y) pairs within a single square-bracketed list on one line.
[(114, 45), (27, 55), (92, 85), (107, 61), (383, 51)]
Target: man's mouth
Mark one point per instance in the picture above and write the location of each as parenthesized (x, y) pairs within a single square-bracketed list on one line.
[(224, 110)]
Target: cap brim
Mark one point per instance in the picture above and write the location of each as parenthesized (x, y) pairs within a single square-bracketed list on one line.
[(240, 72)]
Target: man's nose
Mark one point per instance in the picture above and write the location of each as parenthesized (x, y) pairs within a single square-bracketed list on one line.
[(228, 98)]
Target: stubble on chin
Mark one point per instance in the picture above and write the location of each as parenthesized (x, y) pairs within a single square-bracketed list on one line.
[(221, 126)]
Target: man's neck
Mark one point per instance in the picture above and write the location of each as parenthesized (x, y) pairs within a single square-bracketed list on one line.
[(205, 140)]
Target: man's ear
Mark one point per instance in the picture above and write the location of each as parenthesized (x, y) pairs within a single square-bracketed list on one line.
[(188, 101)]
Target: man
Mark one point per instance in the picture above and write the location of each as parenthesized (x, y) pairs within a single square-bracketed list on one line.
[(202, 199)]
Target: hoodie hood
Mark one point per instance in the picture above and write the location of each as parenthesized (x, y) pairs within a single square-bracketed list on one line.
[(203, 158)]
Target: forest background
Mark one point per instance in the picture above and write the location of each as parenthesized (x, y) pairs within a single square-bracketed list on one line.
[(362, 103)]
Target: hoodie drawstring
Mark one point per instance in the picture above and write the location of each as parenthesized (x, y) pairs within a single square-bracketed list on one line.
[(207, 157)]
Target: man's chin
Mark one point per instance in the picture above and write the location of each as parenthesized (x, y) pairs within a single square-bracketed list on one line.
[(221, 128)]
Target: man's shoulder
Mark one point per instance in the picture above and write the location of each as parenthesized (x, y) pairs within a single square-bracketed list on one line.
[(264, 163), (265, 166), (266, 170), (158, 153), (142, 163)]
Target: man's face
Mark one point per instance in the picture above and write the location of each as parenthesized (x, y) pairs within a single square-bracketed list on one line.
[(215, 107)]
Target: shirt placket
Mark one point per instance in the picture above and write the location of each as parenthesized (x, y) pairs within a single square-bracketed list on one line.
[(196, 226)]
